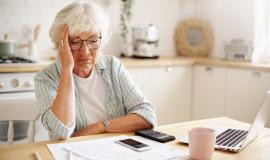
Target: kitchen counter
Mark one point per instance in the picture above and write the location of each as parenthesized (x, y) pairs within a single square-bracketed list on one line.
[(23, 67), (233, 64), (177, 60), (162, 61)]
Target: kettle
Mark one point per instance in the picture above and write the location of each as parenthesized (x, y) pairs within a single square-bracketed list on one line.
[(7, 47)]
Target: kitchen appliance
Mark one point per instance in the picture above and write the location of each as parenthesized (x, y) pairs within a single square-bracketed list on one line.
[(16, 92), (17, 99), (7, 47), (145, 41), (13, 59), (239, 50)]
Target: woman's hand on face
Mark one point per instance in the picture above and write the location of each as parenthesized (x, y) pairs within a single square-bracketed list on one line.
[(64, 51)]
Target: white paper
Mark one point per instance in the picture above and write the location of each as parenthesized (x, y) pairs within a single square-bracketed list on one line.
[(106, 148)]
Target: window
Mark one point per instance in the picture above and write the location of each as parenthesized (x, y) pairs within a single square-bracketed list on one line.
[(261, 51)]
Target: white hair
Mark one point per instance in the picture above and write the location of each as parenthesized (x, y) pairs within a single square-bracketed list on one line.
[(81, 16)]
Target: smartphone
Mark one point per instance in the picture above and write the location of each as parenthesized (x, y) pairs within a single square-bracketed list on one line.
[(155, 135), (134, 145)]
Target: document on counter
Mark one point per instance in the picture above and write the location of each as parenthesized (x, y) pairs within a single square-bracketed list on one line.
[(106, 148)]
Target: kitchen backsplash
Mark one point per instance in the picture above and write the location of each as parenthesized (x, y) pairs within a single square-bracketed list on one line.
[(229, 19), (18, 16)]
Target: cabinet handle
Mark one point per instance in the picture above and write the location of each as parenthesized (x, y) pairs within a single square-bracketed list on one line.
[(2, 85), (168, 69), (256, 74), (208, 68)]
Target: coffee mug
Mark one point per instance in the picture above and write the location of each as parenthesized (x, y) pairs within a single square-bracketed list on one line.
[(201, 143)]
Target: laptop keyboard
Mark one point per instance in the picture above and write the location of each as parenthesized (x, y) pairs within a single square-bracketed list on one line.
[(231, 137)]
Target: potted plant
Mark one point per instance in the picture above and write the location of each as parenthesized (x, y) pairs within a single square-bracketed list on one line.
[(125, 17)]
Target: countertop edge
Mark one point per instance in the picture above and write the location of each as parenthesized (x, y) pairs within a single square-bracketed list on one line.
[(160, 62)]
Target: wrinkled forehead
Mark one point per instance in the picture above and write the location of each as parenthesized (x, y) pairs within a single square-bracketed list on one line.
[(75, 31), (85, 35)]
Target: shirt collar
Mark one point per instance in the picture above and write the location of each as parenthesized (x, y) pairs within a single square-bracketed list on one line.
[(101, 64)]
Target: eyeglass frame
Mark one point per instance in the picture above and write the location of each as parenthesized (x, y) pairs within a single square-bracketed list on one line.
[(99, 37)]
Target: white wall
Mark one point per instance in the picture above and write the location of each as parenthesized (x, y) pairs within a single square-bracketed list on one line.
[(17, 15), (229, 19)]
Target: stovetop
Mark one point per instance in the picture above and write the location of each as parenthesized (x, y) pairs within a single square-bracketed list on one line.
[(12, 59)]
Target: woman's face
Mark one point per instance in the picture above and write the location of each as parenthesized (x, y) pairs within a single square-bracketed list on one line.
[(85, 49)]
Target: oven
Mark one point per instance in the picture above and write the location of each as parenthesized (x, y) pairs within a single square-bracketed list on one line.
[(17, 105)]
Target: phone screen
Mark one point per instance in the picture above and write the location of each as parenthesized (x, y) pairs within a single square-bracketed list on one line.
[(133, 143)]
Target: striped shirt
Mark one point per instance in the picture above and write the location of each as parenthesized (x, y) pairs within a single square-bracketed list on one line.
[(123, 97)]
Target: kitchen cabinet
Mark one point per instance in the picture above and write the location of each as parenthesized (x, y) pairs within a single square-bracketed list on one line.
[(245, 92), (234, 93), (209, 86), (138, 76), (185, 92), (168, 88)]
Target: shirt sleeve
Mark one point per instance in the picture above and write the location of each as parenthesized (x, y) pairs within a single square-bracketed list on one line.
[(134, 100), (45, 94)]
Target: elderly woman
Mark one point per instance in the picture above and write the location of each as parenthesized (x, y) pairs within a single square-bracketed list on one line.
[(85, 92)]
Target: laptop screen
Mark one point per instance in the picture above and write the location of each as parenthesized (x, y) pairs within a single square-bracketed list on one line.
[(259, 121)]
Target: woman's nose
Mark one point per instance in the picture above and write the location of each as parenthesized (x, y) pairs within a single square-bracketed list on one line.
[(84, 48)]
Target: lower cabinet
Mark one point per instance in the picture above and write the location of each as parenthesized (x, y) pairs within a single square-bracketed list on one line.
[(168, 89), (182, 93), (245, 92), (209, 86), (233, 93)]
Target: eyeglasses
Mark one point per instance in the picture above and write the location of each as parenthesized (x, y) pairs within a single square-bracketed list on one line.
[(92, 43)]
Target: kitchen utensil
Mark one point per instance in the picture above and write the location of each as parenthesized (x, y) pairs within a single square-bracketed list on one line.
[(37, 31), (32, 41), (33, 52), (7, 47)]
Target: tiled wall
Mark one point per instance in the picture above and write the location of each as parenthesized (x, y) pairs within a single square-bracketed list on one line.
[(18, 16)]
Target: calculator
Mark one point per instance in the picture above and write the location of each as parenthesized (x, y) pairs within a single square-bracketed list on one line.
[(155, 135)]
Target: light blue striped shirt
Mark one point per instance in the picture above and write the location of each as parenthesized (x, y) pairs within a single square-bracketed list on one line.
[(122, 96)]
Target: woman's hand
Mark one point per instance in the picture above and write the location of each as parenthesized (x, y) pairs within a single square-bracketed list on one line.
[(64, 51)]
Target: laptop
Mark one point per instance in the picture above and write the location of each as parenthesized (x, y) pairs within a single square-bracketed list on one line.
[(235, 140)]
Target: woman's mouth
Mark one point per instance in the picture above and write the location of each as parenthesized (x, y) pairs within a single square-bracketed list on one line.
[(85, 61)]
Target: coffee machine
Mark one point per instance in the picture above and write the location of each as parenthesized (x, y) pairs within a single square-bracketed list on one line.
[(145, 41)]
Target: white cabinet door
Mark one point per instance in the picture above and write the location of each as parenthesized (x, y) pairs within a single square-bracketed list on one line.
[(209, 86), (138, 76), (168, 90), (245, 91)]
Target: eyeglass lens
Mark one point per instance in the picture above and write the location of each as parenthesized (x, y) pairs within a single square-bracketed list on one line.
[(92, 43)]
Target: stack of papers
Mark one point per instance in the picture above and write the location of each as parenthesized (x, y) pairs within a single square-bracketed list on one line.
[(106, 148)]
